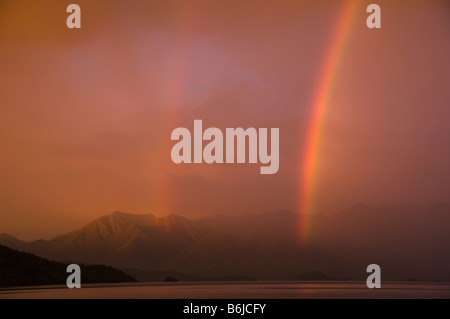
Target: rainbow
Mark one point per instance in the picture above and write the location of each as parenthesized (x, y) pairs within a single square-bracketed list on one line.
[(321, 102)]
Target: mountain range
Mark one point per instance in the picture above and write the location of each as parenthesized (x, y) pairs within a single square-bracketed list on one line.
[(408, 242)]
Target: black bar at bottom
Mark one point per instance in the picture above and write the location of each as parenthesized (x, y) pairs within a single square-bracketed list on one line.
[(222, 308)]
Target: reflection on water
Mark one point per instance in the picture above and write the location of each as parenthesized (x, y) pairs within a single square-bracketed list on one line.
[(235, 290)]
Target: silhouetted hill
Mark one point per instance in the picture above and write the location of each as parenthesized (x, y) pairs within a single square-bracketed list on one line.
[(406, 241), (25, 269), (156, 275), (160, 275)]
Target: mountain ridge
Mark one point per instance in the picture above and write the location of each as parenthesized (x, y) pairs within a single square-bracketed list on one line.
[(25, 269), (264, 246)]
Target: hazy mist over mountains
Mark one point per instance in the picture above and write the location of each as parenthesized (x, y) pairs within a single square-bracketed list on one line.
[(407, 242)]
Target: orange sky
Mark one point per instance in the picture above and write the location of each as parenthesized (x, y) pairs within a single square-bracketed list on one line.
[(86, 115)]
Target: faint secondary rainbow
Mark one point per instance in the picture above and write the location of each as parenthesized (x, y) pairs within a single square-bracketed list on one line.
[(175, 77), (321, 102)]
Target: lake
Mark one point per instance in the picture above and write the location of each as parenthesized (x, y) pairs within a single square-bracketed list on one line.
[(233, 290)]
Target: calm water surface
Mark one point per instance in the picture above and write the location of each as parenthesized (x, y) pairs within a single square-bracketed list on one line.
[(233, 290)]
